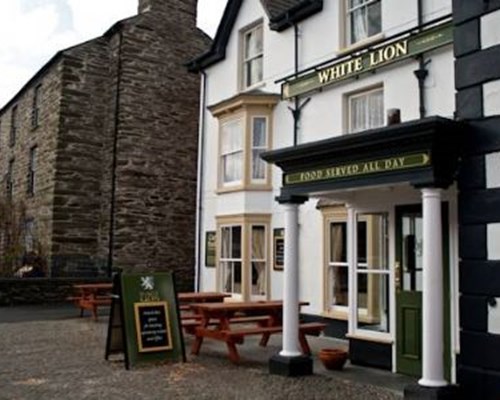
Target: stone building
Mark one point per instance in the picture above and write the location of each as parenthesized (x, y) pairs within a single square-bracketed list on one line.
[(100, 147)]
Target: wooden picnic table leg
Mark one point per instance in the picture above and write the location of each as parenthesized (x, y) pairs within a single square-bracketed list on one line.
[(198, 341), (274, 320), (233, 352), (303, 343)]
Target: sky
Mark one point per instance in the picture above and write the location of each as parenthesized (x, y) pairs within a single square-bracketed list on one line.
[(32, 31)]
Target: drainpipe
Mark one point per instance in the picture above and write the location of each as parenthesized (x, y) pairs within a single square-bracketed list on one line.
[(297, 110), (114, 153), (421, 73), (199, 197)]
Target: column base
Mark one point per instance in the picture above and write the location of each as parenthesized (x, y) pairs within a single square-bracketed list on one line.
[(418, 392), (290, 366)]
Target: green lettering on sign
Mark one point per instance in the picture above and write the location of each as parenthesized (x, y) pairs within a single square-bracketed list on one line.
[(359, 169), (383, 55)]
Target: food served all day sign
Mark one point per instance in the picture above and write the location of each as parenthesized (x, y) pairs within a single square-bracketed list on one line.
[(380, 56), (358, 168)]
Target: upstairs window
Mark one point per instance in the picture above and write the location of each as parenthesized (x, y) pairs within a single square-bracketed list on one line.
[(31, 171), (9, 179), (364, 19), (245, 132), (35, 112), (13, 126), (232, 152), (253, 56), (259, 146), (365, 110)]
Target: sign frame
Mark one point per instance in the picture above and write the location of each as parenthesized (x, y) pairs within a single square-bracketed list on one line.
[(210, 248), (139, 331), (278, 249)]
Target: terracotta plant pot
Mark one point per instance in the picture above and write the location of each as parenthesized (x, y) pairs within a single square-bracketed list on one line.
[(333, 358)]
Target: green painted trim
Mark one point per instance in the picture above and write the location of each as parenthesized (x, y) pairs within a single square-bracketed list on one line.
[(360, 168), (383, 55)]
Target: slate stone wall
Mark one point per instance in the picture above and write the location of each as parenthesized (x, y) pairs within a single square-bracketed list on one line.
[(119, 147)]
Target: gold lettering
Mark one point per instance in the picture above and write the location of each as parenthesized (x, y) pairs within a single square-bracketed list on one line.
[(324, 76), (358, 64), (374, 60), (402, 48)]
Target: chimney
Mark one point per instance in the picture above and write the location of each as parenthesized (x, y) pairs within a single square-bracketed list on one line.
[(181, 8)]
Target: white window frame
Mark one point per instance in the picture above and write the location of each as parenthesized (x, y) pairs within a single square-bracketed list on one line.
[(264, 260), (335, 309), (354, 330), (232, 152), (230, 260), (245, 84), (264, 147), (363, 93), (348, 19)]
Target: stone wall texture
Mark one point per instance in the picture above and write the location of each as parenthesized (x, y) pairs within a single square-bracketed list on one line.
[(117, 147)]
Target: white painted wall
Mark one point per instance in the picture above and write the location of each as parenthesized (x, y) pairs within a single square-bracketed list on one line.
[(490, 29), (493, 241), (494, 317), (492, 169)]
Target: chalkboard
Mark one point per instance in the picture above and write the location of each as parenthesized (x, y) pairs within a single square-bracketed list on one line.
[(144, 321), (152, 326)]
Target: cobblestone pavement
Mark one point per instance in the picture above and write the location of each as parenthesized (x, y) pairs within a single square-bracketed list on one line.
[(64, 359)]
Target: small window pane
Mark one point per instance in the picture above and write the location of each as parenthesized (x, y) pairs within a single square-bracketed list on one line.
[(373, 302), (374, 19), (339, 284), (259, 132), (236, 242), (338, 243)]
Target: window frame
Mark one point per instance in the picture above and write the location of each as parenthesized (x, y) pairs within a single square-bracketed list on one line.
[(253, 117), (246, 222), (221, 174), (347, 12), (357, 94), (247, 108), (35, 110), (33, 158), (13, 126), (244, 60)]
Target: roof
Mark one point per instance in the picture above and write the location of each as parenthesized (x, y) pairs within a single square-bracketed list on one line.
[(60, 54), (282, 15)]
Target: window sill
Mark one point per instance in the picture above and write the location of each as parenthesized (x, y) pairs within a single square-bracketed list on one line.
[(245, 188), (256, 86), (361, 44), (340, 315), (369, 338)]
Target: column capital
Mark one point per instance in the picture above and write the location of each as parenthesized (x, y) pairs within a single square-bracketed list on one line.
[(431, 192), (291, 199)]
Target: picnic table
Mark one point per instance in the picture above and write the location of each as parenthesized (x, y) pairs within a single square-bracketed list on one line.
[(90, 296), (260, 318), (189, 319)]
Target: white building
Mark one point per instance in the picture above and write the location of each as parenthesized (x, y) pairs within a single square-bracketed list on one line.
[(352, 105)]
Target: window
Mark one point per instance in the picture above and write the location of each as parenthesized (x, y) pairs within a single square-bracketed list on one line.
[(259, 145), (243, 261), (364, 19), (338, 266), (253, 55), (35, 112), (9, 179), (232, 152), (31, 170), (372, 274), (244, 134), (365, 110), (13, 126), (231, 259)]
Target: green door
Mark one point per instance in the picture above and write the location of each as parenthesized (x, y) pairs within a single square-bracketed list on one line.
[(409, 239)]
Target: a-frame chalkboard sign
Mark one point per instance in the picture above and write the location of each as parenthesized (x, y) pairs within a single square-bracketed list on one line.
[(144, 321)]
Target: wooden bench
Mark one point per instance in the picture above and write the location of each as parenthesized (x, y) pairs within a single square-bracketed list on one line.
[(91, 297), (191, 322), (236, 336)]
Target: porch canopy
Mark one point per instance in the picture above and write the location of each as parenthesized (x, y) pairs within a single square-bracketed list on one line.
[(423, 153)]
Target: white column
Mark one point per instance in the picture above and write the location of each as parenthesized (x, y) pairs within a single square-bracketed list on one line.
[(291, 284), (432, 292), (352, 262)]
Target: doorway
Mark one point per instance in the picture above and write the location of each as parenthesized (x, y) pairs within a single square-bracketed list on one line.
[(408, 272)]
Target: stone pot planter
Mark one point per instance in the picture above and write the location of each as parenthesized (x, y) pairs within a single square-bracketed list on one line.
[(333, 359)]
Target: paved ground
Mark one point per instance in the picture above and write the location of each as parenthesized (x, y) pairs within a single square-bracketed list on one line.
[(48, 353)]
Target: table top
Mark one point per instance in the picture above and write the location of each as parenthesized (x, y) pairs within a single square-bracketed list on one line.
[(201, 296), (242, 306), (94, 286)]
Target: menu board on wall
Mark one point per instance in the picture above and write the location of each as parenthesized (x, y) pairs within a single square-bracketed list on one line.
[(279, 249)]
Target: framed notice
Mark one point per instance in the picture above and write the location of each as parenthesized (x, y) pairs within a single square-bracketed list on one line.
[(279, 249), (210, 244), (152, 326)]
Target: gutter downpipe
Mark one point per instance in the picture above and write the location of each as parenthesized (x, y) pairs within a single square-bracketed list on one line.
[(114, 163), (201, 159), (421, 73), (296, 111)]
